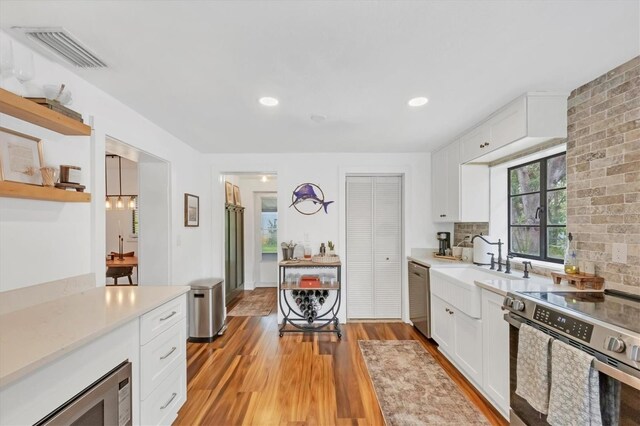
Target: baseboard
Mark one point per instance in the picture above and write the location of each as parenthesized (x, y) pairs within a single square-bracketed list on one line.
[(263, 285)]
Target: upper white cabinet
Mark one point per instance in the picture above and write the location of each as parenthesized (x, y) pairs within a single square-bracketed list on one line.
[(459, 193), (532, 118)]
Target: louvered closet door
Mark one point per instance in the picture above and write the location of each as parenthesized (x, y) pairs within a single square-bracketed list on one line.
[(374, 239), (360, 303), (387, 200)]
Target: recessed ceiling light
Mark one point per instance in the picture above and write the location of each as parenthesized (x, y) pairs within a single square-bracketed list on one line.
[(318, 118), (419, 101), (268, 101)]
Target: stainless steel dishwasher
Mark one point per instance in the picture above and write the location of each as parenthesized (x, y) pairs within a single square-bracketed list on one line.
[(420, 298)]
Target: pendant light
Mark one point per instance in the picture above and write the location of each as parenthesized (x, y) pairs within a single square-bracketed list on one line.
[(132, 203), (107, 202), (119, 201)]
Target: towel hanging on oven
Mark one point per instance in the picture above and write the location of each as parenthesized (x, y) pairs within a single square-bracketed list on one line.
[(575, 388), (533, 367)]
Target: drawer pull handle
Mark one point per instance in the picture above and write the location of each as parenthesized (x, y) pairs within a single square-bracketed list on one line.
[(168, 316), (173, 396), (173, 349)]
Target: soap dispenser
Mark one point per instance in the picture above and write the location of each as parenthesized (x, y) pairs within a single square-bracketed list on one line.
[(570, 257)]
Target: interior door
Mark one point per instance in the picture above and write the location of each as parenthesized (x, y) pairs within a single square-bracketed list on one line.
[(374, 247)]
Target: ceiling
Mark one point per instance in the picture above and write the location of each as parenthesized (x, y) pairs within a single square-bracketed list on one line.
[(197, 68)]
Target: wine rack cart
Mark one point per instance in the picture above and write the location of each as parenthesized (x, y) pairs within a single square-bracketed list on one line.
[(326, 320)]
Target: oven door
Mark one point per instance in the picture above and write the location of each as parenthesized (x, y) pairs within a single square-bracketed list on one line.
[(521, 413), (105, 402)]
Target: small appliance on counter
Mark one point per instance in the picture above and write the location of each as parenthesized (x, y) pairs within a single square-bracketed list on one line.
[(480, 250), (444, 243)]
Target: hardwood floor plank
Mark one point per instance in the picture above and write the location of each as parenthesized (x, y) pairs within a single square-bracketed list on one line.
[(251, 376)]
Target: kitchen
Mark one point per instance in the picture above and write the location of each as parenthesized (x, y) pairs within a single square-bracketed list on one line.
[(432, 148)]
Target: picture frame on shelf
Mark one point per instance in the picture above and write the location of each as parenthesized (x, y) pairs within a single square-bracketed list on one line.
[(228, 190), (191, 210), (20, 157), (236, 195)]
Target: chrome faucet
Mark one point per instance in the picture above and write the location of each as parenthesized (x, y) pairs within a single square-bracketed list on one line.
[(499, 244)]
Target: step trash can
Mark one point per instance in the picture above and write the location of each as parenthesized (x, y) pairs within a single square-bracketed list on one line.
[(206, 309)]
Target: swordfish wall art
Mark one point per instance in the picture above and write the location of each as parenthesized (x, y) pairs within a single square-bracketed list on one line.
[(308, 199)]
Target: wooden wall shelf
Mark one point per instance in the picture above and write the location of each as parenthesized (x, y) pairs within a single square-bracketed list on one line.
[(22, 190), (31, 112)]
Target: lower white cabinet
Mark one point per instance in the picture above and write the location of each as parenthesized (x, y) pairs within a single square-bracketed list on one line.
[(459, 337), (495, 351), (163, 363)]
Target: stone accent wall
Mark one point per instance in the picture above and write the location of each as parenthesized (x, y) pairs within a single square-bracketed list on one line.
[(461, 229), (603, 173)]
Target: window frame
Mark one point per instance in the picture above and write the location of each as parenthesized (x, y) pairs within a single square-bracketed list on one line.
[(543, 226)]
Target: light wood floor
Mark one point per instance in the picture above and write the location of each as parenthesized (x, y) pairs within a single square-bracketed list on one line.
[(252, 376)]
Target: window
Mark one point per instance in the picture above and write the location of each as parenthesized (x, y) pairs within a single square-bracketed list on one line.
[(538, 208), (269, 227)]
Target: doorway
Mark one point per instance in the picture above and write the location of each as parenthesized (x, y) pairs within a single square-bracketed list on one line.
[(374, 246), (251, 233), (140, 227)]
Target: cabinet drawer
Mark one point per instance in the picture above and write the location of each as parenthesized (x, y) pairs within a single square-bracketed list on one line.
[(161, 356), (160, 319), (161, 407)]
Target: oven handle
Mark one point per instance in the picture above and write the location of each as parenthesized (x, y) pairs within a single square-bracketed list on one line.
[(600, 366)]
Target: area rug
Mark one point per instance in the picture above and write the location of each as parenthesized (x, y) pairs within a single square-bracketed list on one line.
[(256, 303), (412, 388)]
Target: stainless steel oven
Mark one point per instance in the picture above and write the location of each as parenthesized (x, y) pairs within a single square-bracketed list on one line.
[(105, 402), (616, 350)]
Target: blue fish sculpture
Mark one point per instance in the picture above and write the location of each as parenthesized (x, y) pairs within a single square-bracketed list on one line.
[(305, 192)]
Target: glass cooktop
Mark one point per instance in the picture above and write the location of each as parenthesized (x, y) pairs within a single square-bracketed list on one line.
[(610, 308)]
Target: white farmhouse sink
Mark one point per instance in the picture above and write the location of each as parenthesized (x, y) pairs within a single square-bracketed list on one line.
[(457, 287)]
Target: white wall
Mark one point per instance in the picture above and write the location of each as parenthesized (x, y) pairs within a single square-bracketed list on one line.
[(44, 241), (328, 171)]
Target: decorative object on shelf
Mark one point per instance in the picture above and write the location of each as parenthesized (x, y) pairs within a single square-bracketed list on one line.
[(578, 280), (76, 186), (57, 107), (70, 174), (327, 258), (23, 68), (287, 250), (57, 93), (228, 190), (570, 258), (323, 249), (191, 210), (332, 248), (48, 175), (21, 157), (308, 199), (236, 196)]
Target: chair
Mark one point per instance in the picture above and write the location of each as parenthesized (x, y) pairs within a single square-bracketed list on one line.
[(116, 272)]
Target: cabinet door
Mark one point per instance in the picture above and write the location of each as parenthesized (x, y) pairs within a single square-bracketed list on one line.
[(439, 186), (495, 348), (468, 344), (473, 144), (442, 324), (509, 124), (452, 212), (239, 248)]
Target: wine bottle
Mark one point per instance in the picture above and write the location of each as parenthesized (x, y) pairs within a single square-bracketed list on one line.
[(294, 293), (325, 293), (309, 292), (321, 300), (306, 299), (318, 293), (298, 301)]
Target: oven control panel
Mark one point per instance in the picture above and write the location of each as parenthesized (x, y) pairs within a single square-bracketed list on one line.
[(569, 325)]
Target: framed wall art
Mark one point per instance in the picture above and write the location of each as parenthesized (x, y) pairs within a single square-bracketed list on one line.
[(236, 196), (20, 157), (228, 191), (191, 210)]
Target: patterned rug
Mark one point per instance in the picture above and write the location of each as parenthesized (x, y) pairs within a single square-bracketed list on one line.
[(412, 388), (256, 303)]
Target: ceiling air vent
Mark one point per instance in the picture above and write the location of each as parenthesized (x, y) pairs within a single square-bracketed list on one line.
[(59, 42)]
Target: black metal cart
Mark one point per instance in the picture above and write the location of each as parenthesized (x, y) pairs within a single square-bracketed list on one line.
[(326, 320)]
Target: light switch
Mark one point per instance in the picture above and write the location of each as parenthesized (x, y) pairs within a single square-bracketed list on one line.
[(619, 254)]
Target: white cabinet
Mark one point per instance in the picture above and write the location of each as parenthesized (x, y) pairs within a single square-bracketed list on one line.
[(441, 324), (530, 119), (495, 351), (163, 362), (460, 193), (459, 336)]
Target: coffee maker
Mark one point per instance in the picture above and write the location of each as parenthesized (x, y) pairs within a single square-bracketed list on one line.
[(444, 242)]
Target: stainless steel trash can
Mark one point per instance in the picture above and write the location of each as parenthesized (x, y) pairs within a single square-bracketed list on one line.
[(206, 309)]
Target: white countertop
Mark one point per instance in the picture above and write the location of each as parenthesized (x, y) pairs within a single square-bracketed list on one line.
[(35, 336), (503, 284)]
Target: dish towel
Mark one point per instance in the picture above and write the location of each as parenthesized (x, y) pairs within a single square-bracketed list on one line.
[(575, 388), (533, 367)]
